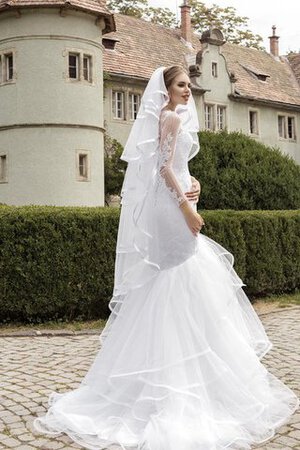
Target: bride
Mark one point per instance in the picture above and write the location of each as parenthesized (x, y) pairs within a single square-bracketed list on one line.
[(179, 366)]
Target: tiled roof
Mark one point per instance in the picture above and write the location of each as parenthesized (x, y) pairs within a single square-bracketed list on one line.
[(97, 7), (294, 59), (144, 46), (246, 63)]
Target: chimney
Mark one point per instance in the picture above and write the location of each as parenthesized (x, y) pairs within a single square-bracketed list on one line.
[(186, 26), (274, 43)]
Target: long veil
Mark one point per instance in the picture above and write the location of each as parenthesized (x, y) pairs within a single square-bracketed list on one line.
[(137, 260)]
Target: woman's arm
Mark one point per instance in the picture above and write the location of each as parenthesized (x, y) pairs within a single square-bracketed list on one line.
[(169, 132)]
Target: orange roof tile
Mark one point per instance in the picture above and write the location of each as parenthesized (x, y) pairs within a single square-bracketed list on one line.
[(294, 59), (97, 7), (143, 46), (280, 85)]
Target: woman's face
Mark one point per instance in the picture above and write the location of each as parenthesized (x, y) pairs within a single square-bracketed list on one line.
[(180, 89)]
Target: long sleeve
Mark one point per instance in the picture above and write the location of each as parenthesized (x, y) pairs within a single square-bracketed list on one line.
[(170, 124)]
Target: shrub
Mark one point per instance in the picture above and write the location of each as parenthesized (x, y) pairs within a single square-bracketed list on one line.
[(114, 167), (237, 172), (58, 263)]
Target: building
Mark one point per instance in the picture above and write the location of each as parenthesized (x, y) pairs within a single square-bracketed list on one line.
[(237, 88), (55, 109), (51, 97)]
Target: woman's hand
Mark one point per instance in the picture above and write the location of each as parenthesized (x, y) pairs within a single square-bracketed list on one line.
[(194, 221), (193, 195)]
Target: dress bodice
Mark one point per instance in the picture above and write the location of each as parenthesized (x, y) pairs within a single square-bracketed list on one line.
[(175, 145), (180, 160)]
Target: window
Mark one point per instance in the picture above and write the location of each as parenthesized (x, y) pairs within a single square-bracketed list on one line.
[(209, 117), (214, 69), (253, 122), (134, 104), (83, 165), (74, 66), (118, 105), (215, 117), (3, 168), (80, 66), (7, 66), (286, 127), (291, 128), (87, 67), (221, 118), (281, 127)]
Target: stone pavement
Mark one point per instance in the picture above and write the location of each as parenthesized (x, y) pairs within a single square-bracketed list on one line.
[(32, 367)]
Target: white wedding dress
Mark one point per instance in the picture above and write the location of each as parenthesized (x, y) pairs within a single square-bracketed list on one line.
[(179, 367)]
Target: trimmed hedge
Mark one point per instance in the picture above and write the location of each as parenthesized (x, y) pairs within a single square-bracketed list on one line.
[(58, 263), (237, 172)]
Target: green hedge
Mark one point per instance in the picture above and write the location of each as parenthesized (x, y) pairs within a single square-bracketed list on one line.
[(238, 172), (58, 263)]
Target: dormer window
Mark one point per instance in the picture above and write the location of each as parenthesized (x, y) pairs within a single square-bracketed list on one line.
[(262, 77), (256, 73), (109, 43)]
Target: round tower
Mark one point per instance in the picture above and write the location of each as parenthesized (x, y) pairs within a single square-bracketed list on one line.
[(51, 97)]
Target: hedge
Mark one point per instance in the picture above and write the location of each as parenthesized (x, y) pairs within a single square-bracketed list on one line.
[(237, 172), (58, 262)]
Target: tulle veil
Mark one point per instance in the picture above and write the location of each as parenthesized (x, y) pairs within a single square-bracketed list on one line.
[(136, 255)]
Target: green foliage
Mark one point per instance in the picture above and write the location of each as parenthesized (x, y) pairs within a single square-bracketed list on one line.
[(128, 7), (114, 167), (58, 263), (265, 244), (234, 27), (160, 16), (237, 172)]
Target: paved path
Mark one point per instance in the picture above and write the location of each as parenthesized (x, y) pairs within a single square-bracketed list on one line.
[(31, 367)]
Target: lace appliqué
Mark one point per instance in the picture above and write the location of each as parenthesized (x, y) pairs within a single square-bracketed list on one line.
[(163, 160)]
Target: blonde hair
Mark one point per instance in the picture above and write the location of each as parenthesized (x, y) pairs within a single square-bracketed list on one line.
[(170, 73)]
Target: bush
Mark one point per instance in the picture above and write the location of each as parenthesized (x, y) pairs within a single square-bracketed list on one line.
[(114, 167), (58, 263), (237, 172)]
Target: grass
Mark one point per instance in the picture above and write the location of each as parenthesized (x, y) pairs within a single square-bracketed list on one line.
[(54, 325), (262, 305), (283, 300)]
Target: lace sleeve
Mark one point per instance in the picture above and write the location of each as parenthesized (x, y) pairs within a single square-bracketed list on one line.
[(170, 124)]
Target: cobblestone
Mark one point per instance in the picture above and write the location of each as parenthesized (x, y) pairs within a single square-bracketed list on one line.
[(34, 365)]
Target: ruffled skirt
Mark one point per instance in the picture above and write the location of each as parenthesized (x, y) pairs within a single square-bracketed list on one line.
[(179, 368)]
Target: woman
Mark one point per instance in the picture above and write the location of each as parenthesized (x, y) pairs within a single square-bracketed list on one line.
[(179, 367)]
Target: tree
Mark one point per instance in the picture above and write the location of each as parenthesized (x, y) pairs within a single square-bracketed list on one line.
[(128, 7), (140, 9), (233, 27), (160, 16)]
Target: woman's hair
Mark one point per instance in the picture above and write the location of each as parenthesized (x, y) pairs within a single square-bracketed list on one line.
[(170, 73)]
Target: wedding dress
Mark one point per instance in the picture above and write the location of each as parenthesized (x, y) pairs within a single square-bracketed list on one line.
[(179, 367)]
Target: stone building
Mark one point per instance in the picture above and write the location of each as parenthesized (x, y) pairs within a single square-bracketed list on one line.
[(51, 97), (237, 88), (54, 55)]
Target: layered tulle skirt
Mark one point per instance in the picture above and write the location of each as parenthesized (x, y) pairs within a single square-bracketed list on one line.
[(179, 368)]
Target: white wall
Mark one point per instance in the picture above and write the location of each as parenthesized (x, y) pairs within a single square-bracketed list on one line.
[(41, 158)]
